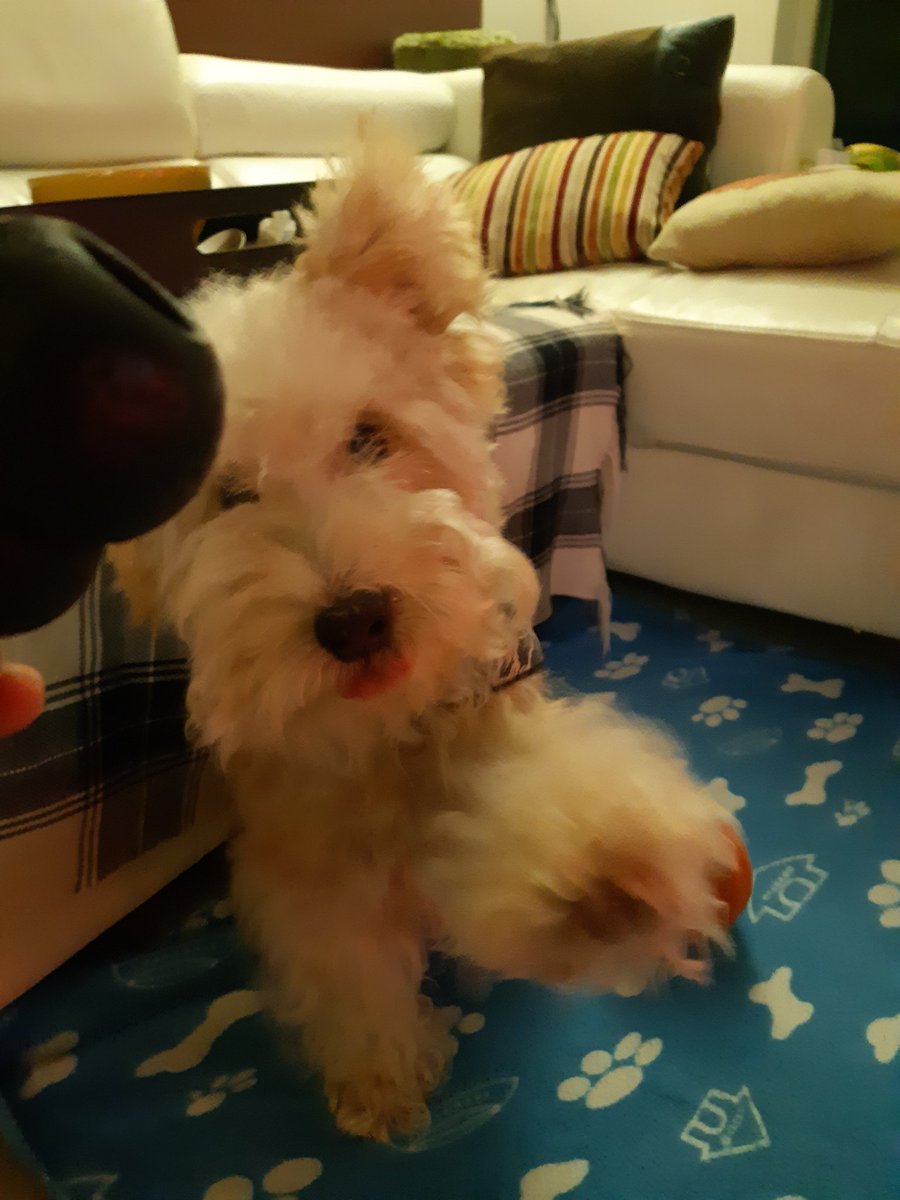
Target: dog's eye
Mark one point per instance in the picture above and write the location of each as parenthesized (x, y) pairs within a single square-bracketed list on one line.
[(369, 442), (231, 494)]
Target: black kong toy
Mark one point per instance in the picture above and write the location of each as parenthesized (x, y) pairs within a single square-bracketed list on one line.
[(110, 411)]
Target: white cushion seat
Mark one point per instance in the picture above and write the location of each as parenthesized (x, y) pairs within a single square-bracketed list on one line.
[(255, 170), (764, 432), (610, 287), (791, 368)]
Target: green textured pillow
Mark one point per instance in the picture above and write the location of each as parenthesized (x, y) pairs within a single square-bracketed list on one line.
[(447, 50), (665, 78)]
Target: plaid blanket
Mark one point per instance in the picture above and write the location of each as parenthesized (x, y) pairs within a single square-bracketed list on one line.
[(102, 801), (560, 443), (105, 779), (109, 753)]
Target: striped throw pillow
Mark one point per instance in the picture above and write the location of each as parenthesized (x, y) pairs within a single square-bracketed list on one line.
[(577, 202)]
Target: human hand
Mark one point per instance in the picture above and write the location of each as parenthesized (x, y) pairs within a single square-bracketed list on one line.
[(21, 697)]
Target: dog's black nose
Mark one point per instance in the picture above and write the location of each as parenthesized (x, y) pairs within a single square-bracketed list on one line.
[(356, 626)]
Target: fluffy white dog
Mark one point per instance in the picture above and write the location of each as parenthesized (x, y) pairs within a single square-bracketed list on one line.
[(346, 594)]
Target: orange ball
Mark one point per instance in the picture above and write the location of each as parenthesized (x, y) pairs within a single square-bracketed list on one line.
[(734, 888), (21, 697)]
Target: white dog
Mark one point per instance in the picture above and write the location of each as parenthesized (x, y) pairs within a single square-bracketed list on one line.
[(352, 611)]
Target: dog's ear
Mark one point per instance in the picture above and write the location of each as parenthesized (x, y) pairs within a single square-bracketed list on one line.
[(381, 226)]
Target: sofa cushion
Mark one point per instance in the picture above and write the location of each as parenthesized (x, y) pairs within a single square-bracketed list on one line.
[(797, 369), (246, 107), (576, 202), (254, 170), (608, 288), (666, 78), (792, 368), (826, 550), (90, 84), (808, 219)]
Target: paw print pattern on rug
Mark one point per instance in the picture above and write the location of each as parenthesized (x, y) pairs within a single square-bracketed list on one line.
[(609, 1078), (838, 728), (183, 958), (552, 1180), (50, 1062), (816, 777), (626, 631), (788, 1011), (221, 1014), (219, 1090), (717, 789), (717, 709), (887, 895), (751, 742), (456, 1022), (88, 1187), (883, 1035), (685, 677), (221, 910), (470, 1023), (281, 1183), (714, 641), (831, 689), (853, 811), (455, 1115), (623, 668)]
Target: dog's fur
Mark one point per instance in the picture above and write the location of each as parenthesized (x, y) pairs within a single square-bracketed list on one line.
[(551, 839)]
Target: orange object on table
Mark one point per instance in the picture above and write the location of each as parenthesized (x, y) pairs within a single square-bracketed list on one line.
[(91, 183)]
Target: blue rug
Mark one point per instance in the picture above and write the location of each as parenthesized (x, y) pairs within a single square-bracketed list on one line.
[(157, 1078)]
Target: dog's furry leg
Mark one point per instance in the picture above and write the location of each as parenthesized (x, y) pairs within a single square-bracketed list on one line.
[(580, 850), (344, 958)]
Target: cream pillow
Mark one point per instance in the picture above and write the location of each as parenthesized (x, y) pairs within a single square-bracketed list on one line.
[(811, 219)]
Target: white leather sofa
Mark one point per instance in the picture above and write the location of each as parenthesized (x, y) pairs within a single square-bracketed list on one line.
[(88, 83), (764, 406)]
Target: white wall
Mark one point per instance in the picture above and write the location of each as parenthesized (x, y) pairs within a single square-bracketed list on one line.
[(523, 18), (766, 30), (754, 36), (795, 33)]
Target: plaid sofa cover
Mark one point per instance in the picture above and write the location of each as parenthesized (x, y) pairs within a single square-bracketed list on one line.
[(560, 442)]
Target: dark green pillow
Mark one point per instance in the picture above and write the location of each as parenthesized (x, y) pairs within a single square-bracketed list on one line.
[(665, 79)]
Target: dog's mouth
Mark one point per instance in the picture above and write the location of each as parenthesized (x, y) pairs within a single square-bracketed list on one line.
[(371, 677)]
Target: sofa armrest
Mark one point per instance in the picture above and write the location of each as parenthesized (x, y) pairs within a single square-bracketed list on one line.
[(465, 136), (246, 107), (774, 118)]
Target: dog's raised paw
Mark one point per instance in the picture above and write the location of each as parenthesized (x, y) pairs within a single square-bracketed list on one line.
[(377, 1111)]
